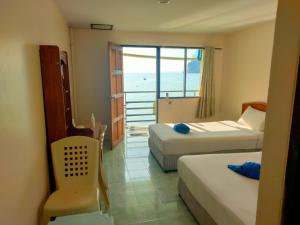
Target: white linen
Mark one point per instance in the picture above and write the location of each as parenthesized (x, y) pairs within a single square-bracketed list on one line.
[(253, 118), (205, 138), (229, 198)]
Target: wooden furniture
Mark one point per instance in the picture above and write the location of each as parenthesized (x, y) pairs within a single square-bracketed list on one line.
[(58, 109), (262, 106), (116, 94), (56, 90)]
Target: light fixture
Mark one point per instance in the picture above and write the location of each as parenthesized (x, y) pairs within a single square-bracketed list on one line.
[(96, 26), (164, 2)]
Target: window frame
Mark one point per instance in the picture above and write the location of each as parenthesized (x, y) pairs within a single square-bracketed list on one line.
[(158, 66), (158, 55)]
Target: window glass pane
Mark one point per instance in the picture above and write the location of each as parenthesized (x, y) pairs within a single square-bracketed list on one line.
[(139, 66), (193, 75), (172, 72)]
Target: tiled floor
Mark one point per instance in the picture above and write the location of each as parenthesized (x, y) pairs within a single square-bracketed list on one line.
[(140, 192)]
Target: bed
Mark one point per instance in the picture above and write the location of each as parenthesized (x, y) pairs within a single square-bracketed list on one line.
[(167, 146), (216, 195)]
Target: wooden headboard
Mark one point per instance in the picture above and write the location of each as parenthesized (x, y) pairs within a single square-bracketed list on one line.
[(262, 106)]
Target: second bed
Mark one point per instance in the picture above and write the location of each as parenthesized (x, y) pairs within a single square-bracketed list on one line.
[(216, 195)]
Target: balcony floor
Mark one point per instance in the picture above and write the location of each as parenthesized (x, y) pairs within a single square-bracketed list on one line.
[(140, 192)]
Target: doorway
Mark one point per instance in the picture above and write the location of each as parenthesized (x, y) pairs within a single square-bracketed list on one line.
[(143, 75), (140, 91)]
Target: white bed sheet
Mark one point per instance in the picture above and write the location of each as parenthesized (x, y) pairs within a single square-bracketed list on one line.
[(205, 138), (229, 198)]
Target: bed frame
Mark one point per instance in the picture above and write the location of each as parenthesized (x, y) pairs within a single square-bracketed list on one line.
[(262, 106), (197, 210), (168, 163)]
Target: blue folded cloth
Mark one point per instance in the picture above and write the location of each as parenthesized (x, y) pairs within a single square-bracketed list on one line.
[(248, 169), (181, 128)]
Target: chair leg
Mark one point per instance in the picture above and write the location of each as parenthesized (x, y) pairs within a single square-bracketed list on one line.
[(103, 195)]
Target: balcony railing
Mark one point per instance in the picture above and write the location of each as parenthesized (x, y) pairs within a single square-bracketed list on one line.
[(140, 106)]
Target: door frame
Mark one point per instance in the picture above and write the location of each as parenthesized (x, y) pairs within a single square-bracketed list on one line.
[(157, 91)]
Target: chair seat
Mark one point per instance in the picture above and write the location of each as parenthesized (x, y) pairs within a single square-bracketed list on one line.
[(69, 201)]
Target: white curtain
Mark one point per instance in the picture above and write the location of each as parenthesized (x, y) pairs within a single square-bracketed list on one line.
[(207, 90)]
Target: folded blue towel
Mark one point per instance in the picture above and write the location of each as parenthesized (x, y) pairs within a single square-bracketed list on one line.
[(248, 169), (181, 128)]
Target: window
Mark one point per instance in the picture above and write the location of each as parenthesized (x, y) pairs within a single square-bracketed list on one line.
[(180, 72), (172, 65), (193, 74)]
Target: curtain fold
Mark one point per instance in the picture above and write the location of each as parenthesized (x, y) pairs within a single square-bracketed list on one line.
[(206, 106)]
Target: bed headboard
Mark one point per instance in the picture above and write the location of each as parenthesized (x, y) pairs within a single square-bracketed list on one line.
[(262, 106)]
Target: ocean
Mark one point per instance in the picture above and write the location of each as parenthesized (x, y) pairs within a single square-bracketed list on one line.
[(171, 83), (168, 82)]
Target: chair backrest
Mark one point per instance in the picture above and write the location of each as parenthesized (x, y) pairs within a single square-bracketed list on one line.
[(75, 161)]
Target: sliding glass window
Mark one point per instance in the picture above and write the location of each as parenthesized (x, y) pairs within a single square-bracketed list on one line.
[(172, 72), (180, 74), (193, 72)]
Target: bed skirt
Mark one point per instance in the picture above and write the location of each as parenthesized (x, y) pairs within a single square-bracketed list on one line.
[(199, 213), (168, 163)]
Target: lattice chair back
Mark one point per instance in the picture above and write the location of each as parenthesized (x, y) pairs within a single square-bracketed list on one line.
[(75, 161)]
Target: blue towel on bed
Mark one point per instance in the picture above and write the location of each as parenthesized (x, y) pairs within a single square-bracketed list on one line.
[(248, 169), (181, 128)]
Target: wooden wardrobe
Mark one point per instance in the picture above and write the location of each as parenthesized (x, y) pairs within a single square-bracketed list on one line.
[(57, 100), (57, 94), (58, 109)]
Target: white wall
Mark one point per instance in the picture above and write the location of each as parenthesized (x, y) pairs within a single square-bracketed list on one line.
[(90, 59), (247, 62), (183, 110), (24, 174), (244, 76), (283, 78), (177, 110)]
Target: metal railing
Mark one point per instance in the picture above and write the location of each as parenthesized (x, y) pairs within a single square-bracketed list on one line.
[(140, 111), (145, 111)]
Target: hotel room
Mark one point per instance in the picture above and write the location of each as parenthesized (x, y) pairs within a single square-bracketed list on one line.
[(188, 112)]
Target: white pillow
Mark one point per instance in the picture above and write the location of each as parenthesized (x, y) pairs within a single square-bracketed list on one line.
[(253, 119)]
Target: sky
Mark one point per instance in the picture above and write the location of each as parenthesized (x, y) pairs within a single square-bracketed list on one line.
[(147, 65)]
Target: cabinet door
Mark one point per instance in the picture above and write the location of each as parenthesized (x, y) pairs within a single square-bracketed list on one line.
[(53, 92)]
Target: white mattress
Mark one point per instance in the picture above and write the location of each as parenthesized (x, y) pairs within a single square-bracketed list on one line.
[(205, 138), (229, 198)]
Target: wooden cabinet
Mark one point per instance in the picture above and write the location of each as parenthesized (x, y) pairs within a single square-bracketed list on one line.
[(57, 95), (58, 109), (57, 100)]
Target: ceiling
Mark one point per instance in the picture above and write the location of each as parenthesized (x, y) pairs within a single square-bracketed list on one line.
[(189, 16)]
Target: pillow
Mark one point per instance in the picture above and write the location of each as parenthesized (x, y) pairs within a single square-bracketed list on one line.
[(248, 169), (182, 128), (253, 119)]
